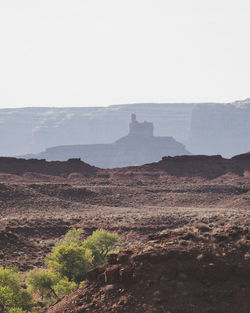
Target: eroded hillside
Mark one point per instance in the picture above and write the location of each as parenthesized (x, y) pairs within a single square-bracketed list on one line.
[(183, 223)]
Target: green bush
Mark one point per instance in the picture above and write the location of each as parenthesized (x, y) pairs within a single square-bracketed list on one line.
[(67, 266), (64, 287), (48, 284), (72, 236), (12, 295), (72, 258), (17, 310), (71, 261), (42, 281), (9, 277), (100, 243)]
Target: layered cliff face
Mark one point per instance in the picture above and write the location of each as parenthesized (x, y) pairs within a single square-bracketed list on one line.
[(220, 129), (140, 146), (208, 128)]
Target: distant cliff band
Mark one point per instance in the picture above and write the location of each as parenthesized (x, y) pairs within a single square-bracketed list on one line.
[(204, 128)]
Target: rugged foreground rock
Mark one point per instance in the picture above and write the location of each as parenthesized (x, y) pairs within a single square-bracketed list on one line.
[(199, 268)]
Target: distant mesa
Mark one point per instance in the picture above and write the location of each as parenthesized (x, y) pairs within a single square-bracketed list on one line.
[(139, 147)]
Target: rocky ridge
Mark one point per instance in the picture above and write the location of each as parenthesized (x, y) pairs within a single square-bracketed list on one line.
[(183, 166)]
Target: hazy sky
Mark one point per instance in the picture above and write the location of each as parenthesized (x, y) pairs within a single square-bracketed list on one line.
[(102, 52)]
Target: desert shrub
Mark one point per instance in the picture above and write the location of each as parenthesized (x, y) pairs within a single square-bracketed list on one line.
[(64, 287), (42, 281), (72, 236), (81, 283), (9, 277), (12, 295), (100, 243), (48, 284), (70, 260), (66, 270), (17, 310)]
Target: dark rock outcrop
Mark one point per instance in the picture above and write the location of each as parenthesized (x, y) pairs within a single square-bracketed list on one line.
[(21, 166), (209, 167), (202, 165)]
